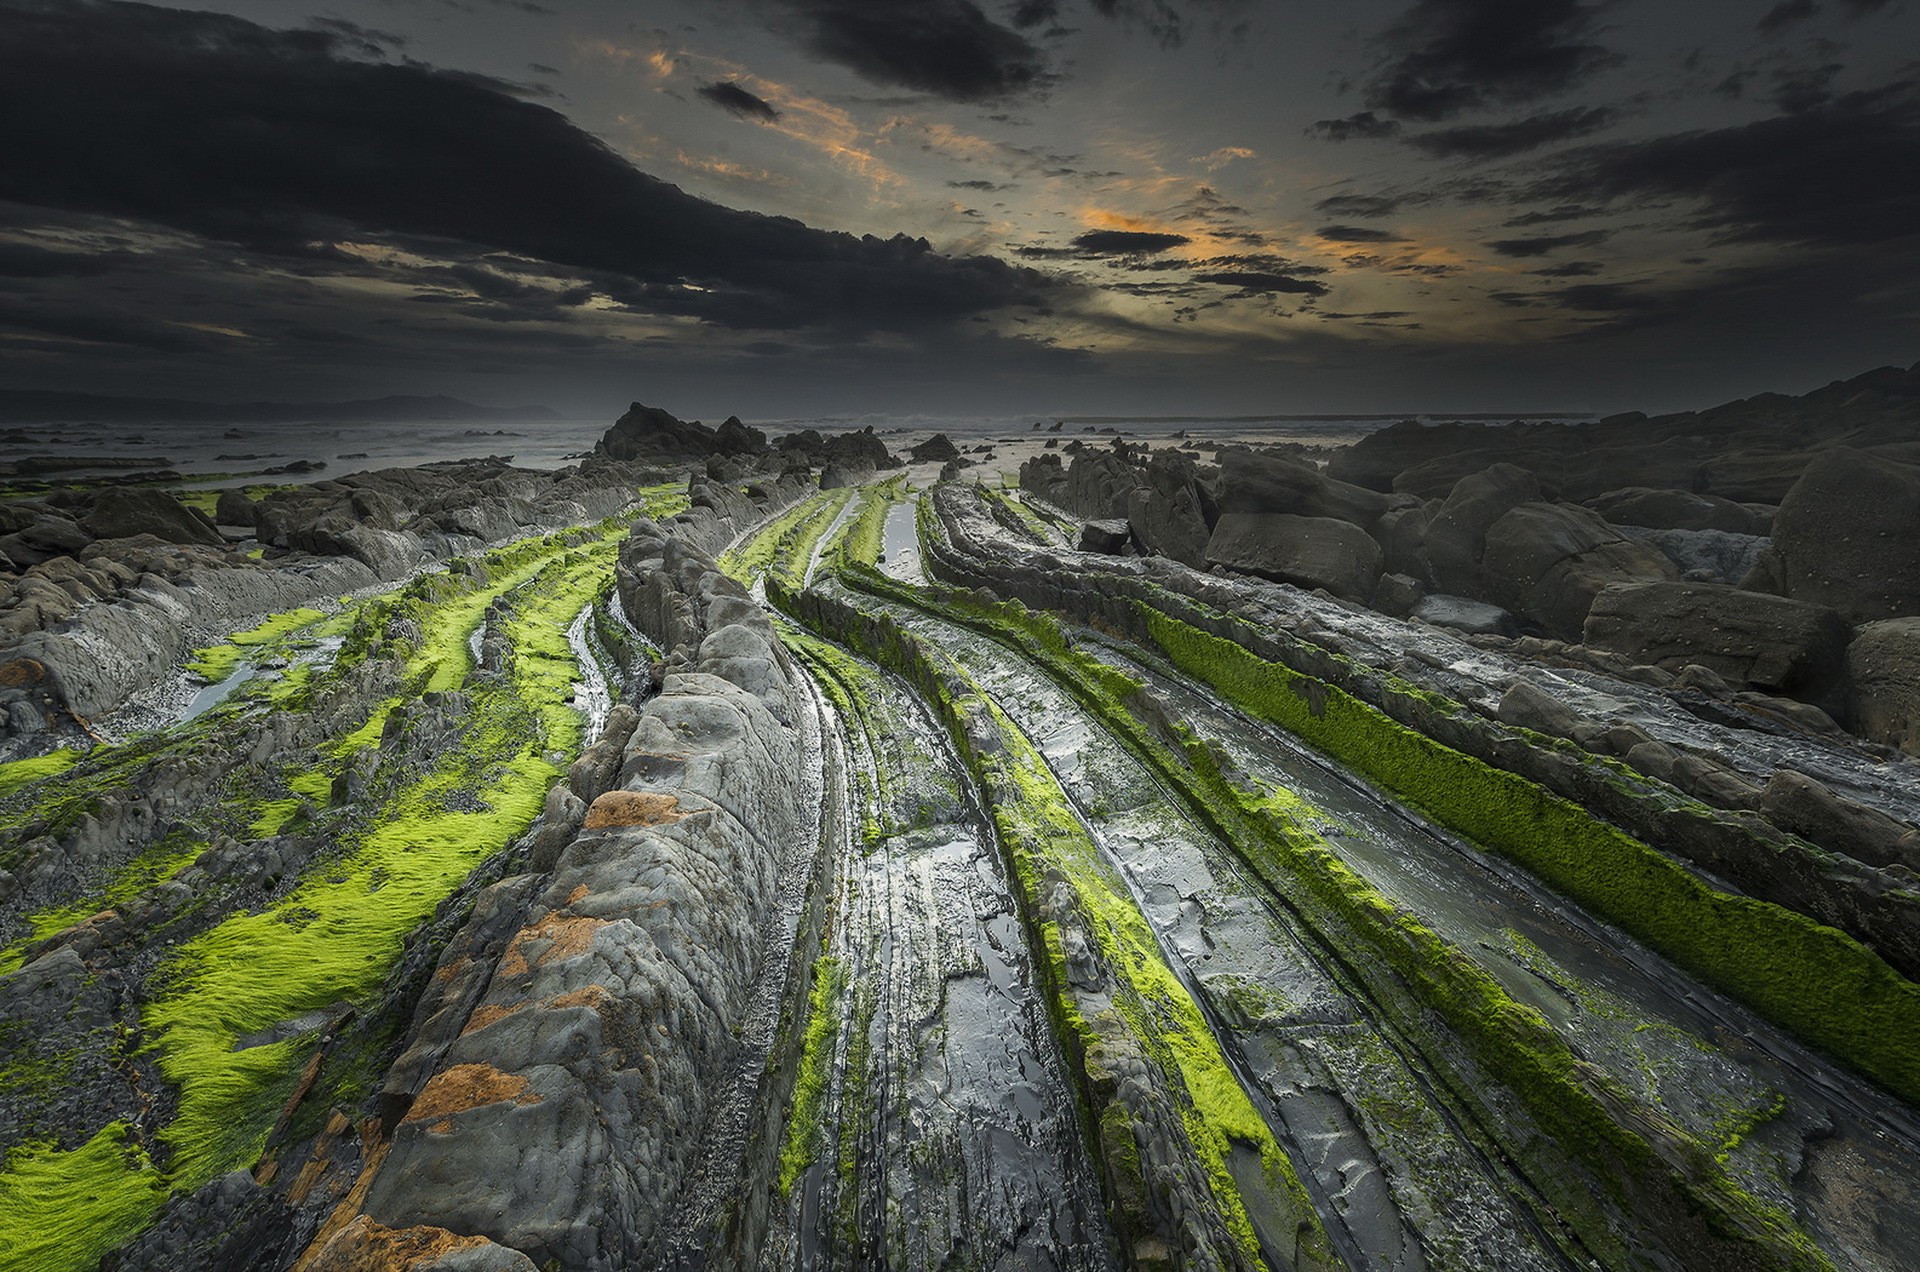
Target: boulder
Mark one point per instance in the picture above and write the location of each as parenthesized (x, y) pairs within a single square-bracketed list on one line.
[(939, 447), (43, 538), (1108, 537), (1100, 483), (1402, 533), (1846, 535), (1462, 614), (233, 508), (1457, 532), (1883, 669), (1252, 483), (1706, 556), (120, 512), (1748, 638), (1756, 476), (1308, 552), (1397, 594), (1680, 510), (1546, 562)]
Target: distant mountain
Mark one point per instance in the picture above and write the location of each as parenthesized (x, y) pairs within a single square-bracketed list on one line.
[(28, 406)]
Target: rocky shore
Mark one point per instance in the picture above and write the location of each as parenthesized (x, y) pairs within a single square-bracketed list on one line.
[(1498, 847)]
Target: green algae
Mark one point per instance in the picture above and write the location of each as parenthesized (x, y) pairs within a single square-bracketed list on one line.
[(216, 662), (864, 536), (68, 1208), (18, 774), (784, 547), (806, 1126)]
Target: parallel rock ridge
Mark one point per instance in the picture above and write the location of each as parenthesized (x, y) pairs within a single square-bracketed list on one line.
[(544, 1099)]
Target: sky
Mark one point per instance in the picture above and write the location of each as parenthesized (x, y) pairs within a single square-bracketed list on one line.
[(780, 208)]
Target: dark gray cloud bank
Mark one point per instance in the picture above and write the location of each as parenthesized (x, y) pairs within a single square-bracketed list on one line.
[(205, 204)]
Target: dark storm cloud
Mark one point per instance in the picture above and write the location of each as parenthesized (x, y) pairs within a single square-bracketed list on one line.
[(1360, 205), (1248, 281), (276, 140), (735, 100), (1497, 141), (1541, 245), (949, 48), (1127, 242), (24, 260), (1841, 174), (1571, 269), (1449, 56), (1365, 126), (1357, 234), (1565, 212), (1784, 15), (100, 326)]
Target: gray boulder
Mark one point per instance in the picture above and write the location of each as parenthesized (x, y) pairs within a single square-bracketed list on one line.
[(1680, 510), (1307, 552), (1261, 484), (1108, 537), (121, 512), (233, 508), (1883, 668), (1846, 535), (1546, 562), (1170, 514), (1462, 614), (1457, 534), (1754, 640), (1706, 556)]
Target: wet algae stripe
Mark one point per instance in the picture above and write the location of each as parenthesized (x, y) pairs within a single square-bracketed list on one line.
[(333, 938), (1666, 1175), (953, 1125)]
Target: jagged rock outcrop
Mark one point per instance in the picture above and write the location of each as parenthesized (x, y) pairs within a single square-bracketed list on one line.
[(1254, 483), (857, 448), (1845, 535), (936, 449), (649, 433)]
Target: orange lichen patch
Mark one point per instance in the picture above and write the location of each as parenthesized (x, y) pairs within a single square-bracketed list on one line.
[(468, 1086), (633, 808), (366, 1246), (486, 1014), (586, 996), (566, 937), (579, 890), (20, 672), (346, 1214), (447, 971)]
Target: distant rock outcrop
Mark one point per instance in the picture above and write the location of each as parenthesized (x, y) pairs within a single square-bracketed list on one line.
[(647, 432)]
